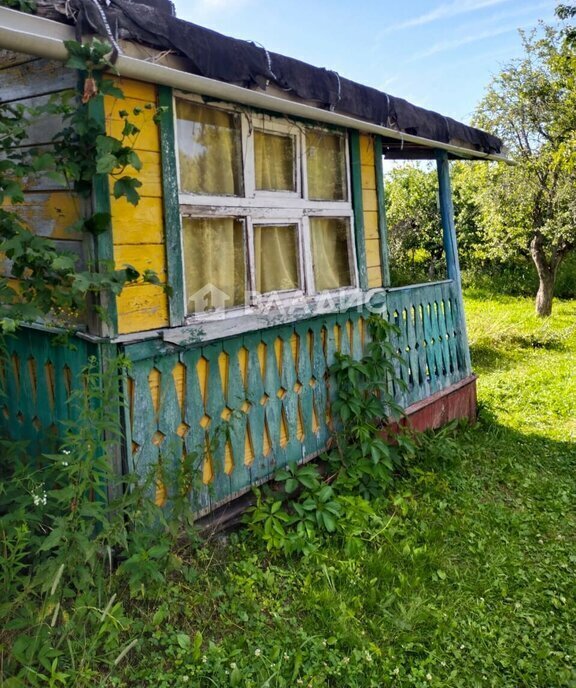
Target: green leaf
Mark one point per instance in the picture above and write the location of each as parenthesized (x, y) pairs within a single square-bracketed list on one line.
[(183, 640), (133, 159), (76, 62), (63, 263), (126, 186), (291, 485), (98, 223), (107, 144), (106, 164), (109, 88)]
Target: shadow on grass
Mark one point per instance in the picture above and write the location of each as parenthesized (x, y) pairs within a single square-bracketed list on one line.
[(531, 449), (495, 450), (487, 357)]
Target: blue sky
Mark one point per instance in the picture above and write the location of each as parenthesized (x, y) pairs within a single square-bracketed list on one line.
[(439, 54)]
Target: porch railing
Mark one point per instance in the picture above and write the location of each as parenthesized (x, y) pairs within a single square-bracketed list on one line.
[(244, 405)]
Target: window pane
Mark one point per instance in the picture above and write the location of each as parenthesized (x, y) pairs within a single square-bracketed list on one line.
[(275, 161), (330, 252), (209, 150), (326, 164), (214, 263), (276, 256)]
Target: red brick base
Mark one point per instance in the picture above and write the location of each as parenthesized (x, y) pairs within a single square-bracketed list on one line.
[(455, 402)]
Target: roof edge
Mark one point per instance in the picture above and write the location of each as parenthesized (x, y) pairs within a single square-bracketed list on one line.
[(45, 38)]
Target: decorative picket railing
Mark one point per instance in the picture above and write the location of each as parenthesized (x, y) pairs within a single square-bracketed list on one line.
[(242, 406), (272, 393), (432, 339), (37, 379)]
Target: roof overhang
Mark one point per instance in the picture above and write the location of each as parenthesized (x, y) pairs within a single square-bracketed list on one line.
[(26, 33)]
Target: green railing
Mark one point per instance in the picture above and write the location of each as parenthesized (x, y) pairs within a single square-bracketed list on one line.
[(271, 389), (431, 341), (37, 379), (244, 405)]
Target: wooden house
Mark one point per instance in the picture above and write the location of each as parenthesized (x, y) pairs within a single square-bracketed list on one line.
[(263, 207)]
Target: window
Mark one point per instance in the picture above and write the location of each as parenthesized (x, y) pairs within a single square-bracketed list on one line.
[(265, 206)]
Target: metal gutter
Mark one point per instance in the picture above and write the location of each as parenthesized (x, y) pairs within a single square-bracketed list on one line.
[(43, 37)]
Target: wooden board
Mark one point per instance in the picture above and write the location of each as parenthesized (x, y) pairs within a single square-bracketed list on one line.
[(35, 78)]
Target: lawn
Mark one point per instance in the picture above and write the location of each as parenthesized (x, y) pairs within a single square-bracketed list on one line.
[(464, 579)]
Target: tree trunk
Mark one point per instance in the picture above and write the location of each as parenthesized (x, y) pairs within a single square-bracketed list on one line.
[(544, 296), (546, 276)]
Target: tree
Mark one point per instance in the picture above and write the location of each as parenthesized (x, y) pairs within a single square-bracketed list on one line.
[(415, 232), (414, 225), (531, 207)]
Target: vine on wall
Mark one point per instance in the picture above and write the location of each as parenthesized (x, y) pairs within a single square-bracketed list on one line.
[(42, 280)]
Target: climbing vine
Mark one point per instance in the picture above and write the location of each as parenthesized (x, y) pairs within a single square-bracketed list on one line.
[(40, 280), (311, 501)]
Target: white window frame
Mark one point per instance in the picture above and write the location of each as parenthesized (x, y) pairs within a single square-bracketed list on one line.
[(271, 207)]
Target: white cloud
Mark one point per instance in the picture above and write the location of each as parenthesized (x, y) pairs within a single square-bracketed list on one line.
[(444, 46), (445, 11)]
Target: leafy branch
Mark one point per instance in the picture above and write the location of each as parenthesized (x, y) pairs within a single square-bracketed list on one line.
[(41, 280)]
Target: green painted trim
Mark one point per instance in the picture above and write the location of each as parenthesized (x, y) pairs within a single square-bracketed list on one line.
[(382, 221), (104, 242), (451, 244), (172, 226), (447, 215), (358, 205)]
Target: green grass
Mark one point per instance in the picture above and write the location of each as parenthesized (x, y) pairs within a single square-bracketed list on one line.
[(465, 577)]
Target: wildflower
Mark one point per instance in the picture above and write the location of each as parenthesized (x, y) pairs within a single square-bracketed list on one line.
[(233, 665), (185, 679), (396, 671), (368, 656), (345, 660), (257, 652), (428, 677), (204, 659), (324, 643), (65, 463), (299, 682), (39, 498), (286, 656)]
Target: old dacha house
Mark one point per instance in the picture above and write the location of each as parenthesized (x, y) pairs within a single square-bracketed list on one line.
[(263, 207)]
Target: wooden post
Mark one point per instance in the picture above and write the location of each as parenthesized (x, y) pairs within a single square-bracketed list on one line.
[(171, 207), (358, 205), (382, 223), (451, 243)]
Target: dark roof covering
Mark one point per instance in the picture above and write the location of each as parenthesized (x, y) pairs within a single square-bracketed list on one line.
[(246, 64)]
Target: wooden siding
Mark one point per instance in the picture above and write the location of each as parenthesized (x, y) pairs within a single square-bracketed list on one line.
[(49, 207), (138, 231), (370, 210)]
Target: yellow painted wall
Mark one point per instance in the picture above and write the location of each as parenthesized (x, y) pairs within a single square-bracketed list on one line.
[(138, 231), (370, 206)]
